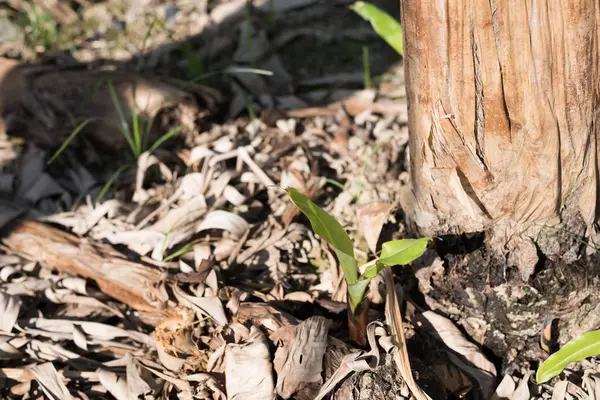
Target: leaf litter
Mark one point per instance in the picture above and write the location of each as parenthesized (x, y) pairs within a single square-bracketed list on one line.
[(194, 277)]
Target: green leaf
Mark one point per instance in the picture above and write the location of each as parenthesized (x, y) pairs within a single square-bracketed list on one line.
[(583, 346), (386, 26), (331, 231), (402, 252)]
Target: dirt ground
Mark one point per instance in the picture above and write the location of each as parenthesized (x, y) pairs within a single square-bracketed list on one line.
[(185, 272)]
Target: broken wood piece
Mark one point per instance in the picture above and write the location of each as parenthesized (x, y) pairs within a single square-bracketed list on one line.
[(119, 278)]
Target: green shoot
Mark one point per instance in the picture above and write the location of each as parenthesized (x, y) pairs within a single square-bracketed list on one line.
[(142, 49), (367, 68), (137, 137), (271, 14), (164, 138), (250, 108), (331, 231), (194, 61), (582, 347), (387, 27), (396, 252)]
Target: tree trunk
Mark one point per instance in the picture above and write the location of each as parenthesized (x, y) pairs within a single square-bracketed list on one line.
[(503, 116)]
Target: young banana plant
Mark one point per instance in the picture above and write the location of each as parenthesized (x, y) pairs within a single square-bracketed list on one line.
[(395, 252)]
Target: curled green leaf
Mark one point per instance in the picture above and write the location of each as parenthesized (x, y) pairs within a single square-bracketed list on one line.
[(580, 348), (356, 292), (372, 270)]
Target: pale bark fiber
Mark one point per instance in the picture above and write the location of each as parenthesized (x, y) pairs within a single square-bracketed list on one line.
[(503, 117)]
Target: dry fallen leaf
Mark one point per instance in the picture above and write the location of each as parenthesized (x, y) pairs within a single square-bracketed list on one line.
[(113, 384), (371, 217), (224, 220), (464, 354), (299, 363), (50, 382), (359, 361), (248, 370), (209, 305), (394, 319), (9, 311)]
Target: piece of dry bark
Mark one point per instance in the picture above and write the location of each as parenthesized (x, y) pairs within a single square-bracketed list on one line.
[(116, 276), (45, 103), (299, 364)]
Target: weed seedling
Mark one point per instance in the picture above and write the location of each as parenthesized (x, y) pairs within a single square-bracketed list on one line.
[(137, 136), (395, 252)]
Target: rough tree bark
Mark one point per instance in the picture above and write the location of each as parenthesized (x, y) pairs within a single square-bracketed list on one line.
[(503, 115)]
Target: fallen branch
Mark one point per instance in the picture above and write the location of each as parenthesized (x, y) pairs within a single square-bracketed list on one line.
[(117, 277)]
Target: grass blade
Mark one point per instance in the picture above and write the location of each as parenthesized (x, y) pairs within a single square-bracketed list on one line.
[(137, 135), (72, 136), (164, 138), (110, 182), (582, 347), (184, 250), (235, 70), (335, 183), (124, 126), (387, 27)]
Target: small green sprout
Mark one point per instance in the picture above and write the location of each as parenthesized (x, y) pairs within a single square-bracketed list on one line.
[(395, 252)]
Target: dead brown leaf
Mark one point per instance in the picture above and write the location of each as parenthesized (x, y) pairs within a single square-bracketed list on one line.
[(299, 363), (371, 217), (248, 370)]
